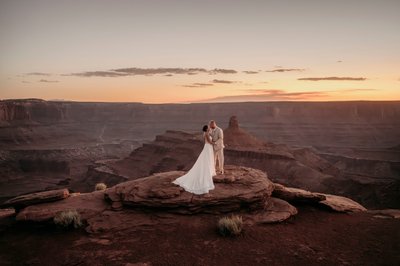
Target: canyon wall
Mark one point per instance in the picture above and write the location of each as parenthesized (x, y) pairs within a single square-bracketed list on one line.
[(318, 124)]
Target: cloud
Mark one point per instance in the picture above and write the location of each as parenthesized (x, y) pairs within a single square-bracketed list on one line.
[(97, 74), (48, 81), (24, 81), (154, 71), (224, 81), (134, 71), (198, 85), (333, 78), (38, 74), (286, 70), (250, 72), (268, 95), (222, 71), (257, 95)]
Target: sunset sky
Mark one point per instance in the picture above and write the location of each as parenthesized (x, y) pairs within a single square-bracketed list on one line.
[(192, 51)]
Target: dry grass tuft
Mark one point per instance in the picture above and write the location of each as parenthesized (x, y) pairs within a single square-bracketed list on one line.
[(230, 226), (100, 186), (68, 218)]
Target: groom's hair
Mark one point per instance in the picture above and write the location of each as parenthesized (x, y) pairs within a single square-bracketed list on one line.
[(205, 127), (211, 121)]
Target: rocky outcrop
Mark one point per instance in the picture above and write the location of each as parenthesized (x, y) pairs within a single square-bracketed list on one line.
[(296, 195), (234, 136), (336, 203), (36, 198), (386, 213), (88, 205), (276, 210), (240, 188), (341, 204)]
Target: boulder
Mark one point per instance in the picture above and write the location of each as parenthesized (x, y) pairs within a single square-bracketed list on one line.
[(341, 204), (239, 188), (35, 198), (386, 213), (296, 195), (333, 202), (276, 210)]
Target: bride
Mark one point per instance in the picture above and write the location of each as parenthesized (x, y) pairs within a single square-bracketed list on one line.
[(199, 179)]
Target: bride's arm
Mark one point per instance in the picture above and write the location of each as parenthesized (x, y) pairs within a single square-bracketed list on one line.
[(207, 137)]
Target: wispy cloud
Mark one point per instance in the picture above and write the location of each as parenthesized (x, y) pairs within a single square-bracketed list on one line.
[(48, 81), (197, 85), (334, 78), (250, 72), (268, 95), (134, 71), (255, 95), (37, 74), (286, 70), (224, 81), (222, 71), (97, 74)]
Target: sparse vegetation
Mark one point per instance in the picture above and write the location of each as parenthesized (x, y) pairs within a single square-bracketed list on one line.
[(230, 226), (100, 186), (68, 218)]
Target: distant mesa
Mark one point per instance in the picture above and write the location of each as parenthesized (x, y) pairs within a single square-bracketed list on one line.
[(234, 136)]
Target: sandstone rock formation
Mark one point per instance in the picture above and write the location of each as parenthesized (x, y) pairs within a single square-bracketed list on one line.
[(296, 195), (386, 213), (36, 198), (276, 210), (342, 204), (234, 136), (336, 203), (88, 205), (243, 188)]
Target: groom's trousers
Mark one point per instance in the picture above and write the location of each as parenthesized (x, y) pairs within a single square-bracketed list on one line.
[(219, 156)]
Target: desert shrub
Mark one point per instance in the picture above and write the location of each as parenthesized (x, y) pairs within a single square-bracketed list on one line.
[(100, 186), (68, 218), (230, 226)]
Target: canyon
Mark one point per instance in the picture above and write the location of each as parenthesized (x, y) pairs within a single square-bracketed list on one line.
[(346, 148)]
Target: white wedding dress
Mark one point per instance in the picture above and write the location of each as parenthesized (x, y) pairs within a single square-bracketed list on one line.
[(199, 179)]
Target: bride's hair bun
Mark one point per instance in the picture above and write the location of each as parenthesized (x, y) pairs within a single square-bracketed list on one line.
[(205, 127)]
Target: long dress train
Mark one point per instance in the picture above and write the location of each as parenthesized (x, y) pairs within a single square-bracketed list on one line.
[(199, 179)]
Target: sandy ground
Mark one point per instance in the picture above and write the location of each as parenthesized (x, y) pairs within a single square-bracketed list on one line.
[(313, 237)]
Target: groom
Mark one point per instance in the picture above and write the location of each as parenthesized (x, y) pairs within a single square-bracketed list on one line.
[(217, 136)]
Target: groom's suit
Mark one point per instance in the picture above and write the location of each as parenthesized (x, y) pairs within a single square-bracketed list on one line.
[(217, 136)]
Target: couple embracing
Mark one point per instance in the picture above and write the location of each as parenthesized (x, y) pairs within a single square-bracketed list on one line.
[(199, 179)]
